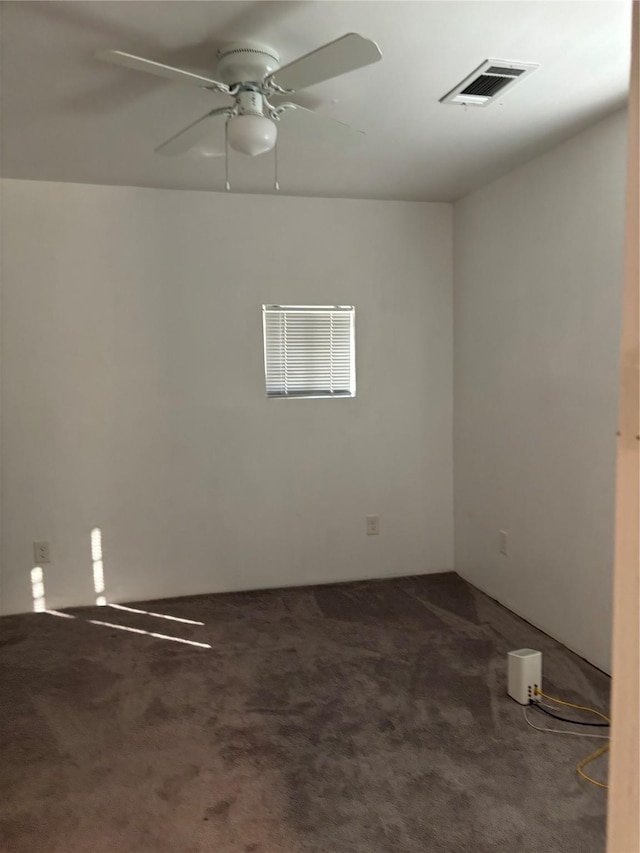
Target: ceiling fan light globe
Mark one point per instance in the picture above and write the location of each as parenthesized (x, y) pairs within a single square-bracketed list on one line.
[(252, 135)]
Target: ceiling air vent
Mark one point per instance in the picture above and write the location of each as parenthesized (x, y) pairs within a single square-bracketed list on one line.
[(490, 79)]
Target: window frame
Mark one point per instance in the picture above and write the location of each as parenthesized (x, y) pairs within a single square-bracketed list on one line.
[(312, 394)]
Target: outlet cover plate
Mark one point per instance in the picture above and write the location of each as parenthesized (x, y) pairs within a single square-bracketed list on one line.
[(41, 553)]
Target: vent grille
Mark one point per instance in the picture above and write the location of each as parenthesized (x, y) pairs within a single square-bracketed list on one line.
[(507, 72), (479, 89), (487, 85)]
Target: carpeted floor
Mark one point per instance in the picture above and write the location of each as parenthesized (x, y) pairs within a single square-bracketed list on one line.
[(359, 718)]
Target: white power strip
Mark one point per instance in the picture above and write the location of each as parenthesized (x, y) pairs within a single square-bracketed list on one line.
[(524, 675)]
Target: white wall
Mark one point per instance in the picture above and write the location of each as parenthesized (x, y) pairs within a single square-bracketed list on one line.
[(538, 283), (134, 398)]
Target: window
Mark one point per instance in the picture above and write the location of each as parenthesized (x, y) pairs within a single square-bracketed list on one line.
[(309, 350)]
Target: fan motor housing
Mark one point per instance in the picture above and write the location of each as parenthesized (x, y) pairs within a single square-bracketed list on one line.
[(245, 62)]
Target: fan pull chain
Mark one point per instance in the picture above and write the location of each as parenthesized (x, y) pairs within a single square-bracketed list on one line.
[(276, 183), (226, 155)]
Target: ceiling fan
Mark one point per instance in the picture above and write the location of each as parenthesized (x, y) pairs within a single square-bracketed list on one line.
[(251, 74)]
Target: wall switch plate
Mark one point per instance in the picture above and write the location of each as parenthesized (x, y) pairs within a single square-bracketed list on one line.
[(373, 525), (503, 540), (41, 553)]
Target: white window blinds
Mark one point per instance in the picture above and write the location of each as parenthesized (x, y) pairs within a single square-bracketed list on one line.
[(309, 350)]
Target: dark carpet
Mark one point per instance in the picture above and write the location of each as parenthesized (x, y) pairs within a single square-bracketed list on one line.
[(359, 718)]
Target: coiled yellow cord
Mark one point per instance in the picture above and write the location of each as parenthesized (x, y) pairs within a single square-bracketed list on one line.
[(571, 705), (586, 760), (594, 755)]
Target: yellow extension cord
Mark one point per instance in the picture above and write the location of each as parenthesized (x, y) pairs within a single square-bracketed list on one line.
[(593, 755), (589, 758)]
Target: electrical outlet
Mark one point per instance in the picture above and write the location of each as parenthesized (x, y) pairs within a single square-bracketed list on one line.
[(41, 553), (503, 540), (373, 525)]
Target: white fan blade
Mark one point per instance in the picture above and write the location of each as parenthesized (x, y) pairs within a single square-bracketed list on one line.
[(313, 127), (338, 57), (191, 135), (138, 63)]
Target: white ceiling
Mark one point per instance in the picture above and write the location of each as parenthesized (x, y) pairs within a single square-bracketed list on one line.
[(68, 117)]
